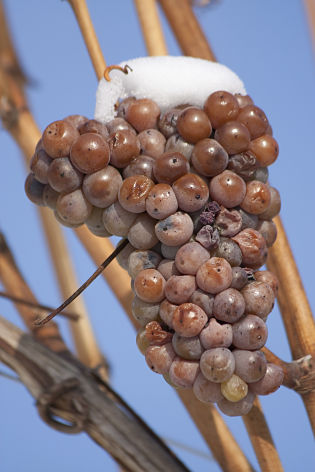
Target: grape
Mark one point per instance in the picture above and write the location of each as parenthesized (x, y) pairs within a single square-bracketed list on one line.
[(142, 341), (123, 257), (209, 158), (144, 312), (243, 164), (248, 220), (168, 268), (216, 335), (177, 144), (230, 251), (169, 252), (124, 145), (167, 122), (168, 380), (266, 149), (39, 165), (203, 300), (117, 220), (190, 257), (140, 260), (229, 305), (119, 124), (95, 222), (141, 165), (206, 391), (254, 119), (191, 192), (141, 234), (268, 278), (62, 176), (214, 275), (161, 201), (89, 153), (259, 299), (233, 136), (243, 100), (234, 389), (208, 237), (65, 222), (159, 358), (250, 365), (257, 197), (179, 288), (188, 320), (239, 279), (229, 222), (187, 348), (101, 188), (249, 333), (240, 408), (123, 106), (193, 124), (169, 166), (183, 373), (93, 126), (217, 364), (175, 230), (271, 381), (221, 107), (76, 120), (152, 142), (268, 230), (150, 286), (253, 247), (34, 190), (142, 114), (73, 208), (133, 193), (274, 206), (261, 174), (58, 137), (228, 189), (50, 197), (167, 310)]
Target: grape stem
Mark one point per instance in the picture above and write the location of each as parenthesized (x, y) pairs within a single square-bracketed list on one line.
[(42, 320), (108, 69)]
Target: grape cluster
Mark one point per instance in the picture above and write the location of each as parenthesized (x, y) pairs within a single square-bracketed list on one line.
[(189, 189)]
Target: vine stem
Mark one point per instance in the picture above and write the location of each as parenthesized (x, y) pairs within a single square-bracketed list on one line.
[(151, 27)]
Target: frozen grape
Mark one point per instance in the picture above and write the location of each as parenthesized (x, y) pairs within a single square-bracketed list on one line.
[(234, 389), (159, 358), (257, 197), (152, 142), (207, 391), (191, 192), (93, 126), (123, 106), (261, 174), (133, 193), (249, 333), (228, 189), (193, 124), (144, 312), (123, 257), (254, 119), (169, 166), (168, 268), (240, 408), (58, 138), (140, 260), (268, 278), (216, 335), (249, 365), (34, 190), (124, 145), (117, 220), (141, 234), (89, 153), (177, 144), (167, 310), (101, 188), (142, 114), (230, 251), (217, 364), (95, 222), (119, 124), (39, 165), (190, 257), (142, 341), (266, 149), (73, 207), (62, 176), (141, 165), (76, 120), (274, 206), (243, 164), (183, 373), (221, 107), (50, 197), (233, 136), (208, 237), (268, 230), (161, 201), (248, 220), (175, 230), (229, 305), (209, 158), (179, 288), (214, 275), (259, 299), (169, 252), (270, 382), (167, 122), (243, 100), (253, 247), (187, 348), (239, 279), (229, 222), (150, 285), (203, 300), (188, 320)]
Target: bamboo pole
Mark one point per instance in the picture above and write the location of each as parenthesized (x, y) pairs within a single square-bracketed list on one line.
[(151, 27), (309, 6)]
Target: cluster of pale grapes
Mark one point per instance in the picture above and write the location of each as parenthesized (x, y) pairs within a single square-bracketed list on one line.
[(189, 189)]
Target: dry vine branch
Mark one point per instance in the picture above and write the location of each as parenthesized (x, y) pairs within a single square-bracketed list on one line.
[(69, 391)]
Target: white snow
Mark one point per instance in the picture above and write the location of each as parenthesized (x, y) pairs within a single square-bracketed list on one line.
[(169, 80)]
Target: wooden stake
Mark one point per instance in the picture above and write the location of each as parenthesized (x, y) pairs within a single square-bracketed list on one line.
[(309, 6), (151, 27)]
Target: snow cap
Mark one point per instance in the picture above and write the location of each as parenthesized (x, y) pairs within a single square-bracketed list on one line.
[(168, 80)]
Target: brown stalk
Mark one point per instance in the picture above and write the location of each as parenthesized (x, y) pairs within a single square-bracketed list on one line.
[(151, 27), (14, 283), (186, 28), (309, 6)]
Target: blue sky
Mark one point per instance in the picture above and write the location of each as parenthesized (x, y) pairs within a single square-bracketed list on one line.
[(269, 46)]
